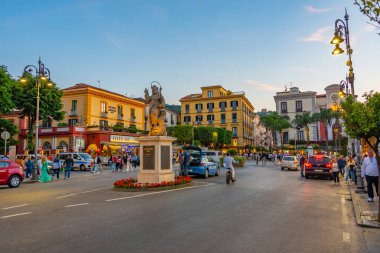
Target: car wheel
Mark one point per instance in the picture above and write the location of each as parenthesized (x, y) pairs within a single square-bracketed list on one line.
[(206, 174), (307, 177), (217, 172), (82, 167), (14, 181)]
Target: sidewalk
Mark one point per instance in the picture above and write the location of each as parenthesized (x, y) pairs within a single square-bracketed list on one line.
[(365, 212)]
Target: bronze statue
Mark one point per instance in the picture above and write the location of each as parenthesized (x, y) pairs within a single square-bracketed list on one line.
[(157, 115)]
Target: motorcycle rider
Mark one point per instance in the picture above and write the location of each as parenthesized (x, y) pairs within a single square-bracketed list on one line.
[(228, 162)]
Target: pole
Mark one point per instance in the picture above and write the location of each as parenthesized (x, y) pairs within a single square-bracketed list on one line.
[(37, 126), (5, 145)]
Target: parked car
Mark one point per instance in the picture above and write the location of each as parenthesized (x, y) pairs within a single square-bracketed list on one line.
[(290, 162), (201, 164), (318, 165), (213, 154), (31, 156), (82, 161), (11, 173)]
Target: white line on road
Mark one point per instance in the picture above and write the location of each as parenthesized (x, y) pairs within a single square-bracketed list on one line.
[(98, 189), (13, 215), (346, 237), (65, 196), (160, 192), (10, 207), (81, 204)]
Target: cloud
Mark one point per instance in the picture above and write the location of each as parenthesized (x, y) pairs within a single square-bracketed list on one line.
[(313, 10), (262, 86), (321, 35)]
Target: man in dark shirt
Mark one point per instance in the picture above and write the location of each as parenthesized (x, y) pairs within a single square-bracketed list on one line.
[(302, 165), (69, 162), (341, 164)]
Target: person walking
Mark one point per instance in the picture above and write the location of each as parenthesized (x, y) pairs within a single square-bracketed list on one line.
[(29, 168), (351, 168), (56, 166), (69, 162), (44, 178), (371, 173), (39, 165), (302, 165), (180, 161), (335, 169), (341, 165), (113, 164), (173, 159)]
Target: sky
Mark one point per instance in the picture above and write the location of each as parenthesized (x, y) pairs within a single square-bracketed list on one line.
[(244, 45)]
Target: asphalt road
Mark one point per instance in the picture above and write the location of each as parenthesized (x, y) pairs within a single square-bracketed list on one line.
[(266, 210)]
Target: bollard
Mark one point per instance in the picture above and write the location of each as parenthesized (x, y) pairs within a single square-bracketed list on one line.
[(360, 182)]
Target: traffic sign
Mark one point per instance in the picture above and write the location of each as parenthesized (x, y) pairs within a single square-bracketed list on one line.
[(5, 135)]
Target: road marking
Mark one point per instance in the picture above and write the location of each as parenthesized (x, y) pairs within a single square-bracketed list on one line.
[(98, 189), (81, 204), (10, 207), (13, 215), (69, 195), (346, 237), (160, 192)]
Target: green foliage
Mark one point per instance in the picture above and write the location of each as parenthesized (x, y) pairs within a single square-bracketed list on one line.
[(232, 152), (275, 122), (303, 121), (62, 124), (206, 135), (24, 96), (7, 84), (118, 128), (184, 134), (370, 8), (131, 129)]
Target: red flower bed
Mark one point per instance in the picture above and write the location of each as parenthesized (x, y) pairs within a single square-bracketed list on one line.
[(131, 183)]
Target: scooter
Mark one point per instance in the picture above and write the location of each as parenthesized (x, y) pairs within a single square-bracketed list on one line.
[(229, 178)]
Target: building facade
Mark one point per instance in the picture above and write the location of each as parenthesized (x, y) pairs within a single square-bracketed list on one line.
[(293, 102), (91, 115), (218, 107)]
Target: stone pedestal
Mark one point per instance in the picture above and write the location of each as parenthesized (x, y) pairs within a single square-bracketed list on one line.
[(155, 159)]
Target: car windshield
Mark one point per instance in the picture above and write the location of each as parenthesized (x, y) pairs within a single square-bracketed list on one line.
[(316, 159), (85, 156)]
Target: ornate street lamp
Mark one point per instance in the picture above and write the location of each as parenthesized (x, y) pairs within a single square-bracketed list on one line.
[(342, 34), (343, 89), (42, 74)]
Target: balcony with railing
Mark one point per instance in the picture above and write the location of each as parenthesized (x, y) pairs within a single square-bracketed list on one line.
[(223, 121), (103, 114), (234, 120), (199, 110), (73, 113), (198, 122), (234, 108), (234, 135), (133, 119), (222, 109), (210, 109), (210, 122), (120, 117)]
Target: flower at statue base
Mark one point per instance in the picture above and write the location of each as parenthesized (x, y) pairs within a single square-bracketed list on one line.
[(131, 183)]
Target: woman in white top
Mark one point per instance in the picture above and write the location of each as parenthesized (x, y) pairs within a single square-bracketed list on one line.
[(335, 170)]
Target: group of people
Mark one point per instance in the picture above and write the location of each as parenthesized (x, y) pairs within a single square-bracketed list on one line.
[(42, 170), (183, 159), (125, 163)]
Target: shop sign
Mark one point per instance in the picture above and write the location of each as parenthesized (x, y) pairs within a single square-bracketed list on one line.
[(111, 108), (120, 138)]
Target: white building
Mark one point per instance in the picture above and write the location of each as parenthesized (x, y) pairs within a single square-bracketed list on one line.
[(294, 102)]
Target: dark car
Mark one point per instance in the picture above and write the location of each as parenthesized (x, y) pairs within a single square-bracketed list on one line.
[(201, 164), (11, 174), (318, 165)]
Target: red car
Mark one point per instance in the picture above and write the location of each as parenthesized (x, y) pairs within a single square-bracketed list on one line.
[(11, 174)]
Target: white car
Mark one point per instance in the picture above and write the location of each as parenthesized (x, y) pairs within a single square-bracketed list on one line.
[(290, 162)]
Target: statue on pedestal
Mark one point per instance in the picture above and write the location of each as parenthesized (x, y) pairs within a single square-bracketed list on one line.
[(157, 114)]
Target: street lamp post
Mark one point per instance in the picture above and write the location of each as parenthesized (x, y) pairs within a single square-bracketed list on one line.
[(341, 34), (41, 73)]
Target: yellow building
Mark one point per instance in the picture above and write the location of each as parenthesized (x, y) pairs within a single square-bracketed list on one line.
[(219, 107), (87, 105)]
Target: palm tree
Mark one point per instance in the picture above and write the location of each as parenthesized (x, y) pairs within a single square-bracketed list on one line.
[(325, 116), (275, 122), (303, 121)]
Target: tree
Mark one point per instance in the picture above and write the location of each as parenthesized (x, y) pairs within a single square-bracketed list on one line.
[(325, 116), (7, 84), (184, 134), (303, 121), (362, 121), (370, 8), (223, 137), (269, 122), (282, 123), (207, 135), (24, 97)]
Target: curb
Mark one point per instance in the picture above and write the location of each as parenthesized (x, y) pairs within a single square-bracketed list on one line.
[(361, 220)]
